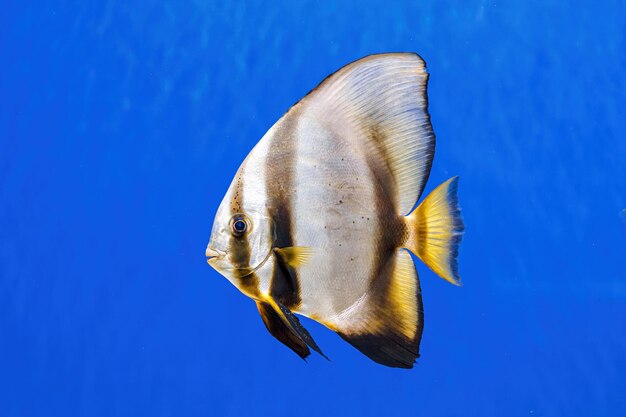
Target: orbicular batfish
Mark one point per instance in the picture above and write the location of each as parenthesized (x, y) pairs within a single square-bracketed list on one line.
[(319, 219)]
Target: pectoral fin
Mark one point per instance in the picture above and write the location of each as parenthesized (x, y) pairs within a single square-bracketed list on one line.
[(294, 256), (280, 331)]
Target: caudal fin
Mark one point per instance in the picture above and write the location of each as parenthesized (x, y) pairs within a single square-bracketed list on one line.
[(436, 228)]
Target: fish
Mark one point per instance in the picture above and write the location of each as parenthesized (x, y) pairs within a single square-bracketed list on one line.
[(320, 218)]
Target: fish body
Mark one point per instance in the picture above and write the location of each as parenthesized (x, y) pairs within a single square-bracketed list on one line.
[(319, 217)]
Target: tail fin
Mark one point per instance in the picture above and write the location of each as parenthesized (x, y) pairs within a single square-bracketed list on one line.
[(435, 230)]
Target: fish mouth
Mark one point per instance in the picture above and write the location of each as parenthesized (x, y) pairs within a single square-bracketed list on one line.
[(212, 254)]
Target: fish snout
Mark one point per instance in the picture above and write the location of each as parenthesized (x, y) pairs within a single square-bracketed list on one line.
[(212, 253)]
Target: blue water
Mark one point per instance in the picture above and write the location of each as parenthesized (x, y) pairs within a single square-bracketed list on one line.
[(123, 122)]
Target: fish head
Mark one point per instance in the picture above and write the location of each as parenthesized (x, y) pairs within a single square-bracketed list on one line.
[(241, 237)]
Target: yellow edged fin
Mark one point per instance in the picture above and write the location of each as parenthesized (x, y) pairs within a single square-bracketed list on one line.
[(404, 295), (386, 324), (436, 228), (294, 256)]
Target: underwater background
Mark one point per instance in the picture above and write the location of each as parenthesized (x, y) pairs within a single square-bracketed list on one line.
[(123, 122)]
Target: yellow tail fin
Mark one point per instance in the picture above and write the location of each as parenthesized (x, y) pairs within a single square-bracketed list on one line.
[(436, 228)]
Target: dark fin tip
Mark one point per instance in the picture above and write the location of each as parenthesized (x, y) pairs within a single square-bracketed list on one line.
[(281, 332), (387, 349), (298, 329), (458, 228)]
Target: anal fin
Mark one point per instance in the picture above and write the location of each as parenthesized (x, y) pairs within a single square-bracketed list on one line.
[(280, 331), (387, 323)]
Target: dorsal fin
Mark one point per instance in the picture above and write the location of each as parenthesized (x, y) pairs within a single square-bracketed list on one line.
[(381, 102)]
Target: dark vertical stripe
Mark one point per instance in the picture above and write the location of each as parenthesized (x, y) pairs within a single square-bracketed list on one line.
[(240, 246), (391, 231), (280, 187), (390, 347)]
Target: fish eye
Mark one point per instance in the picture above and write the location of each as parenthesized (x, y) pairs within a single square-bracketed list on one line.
[(238, 225)]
